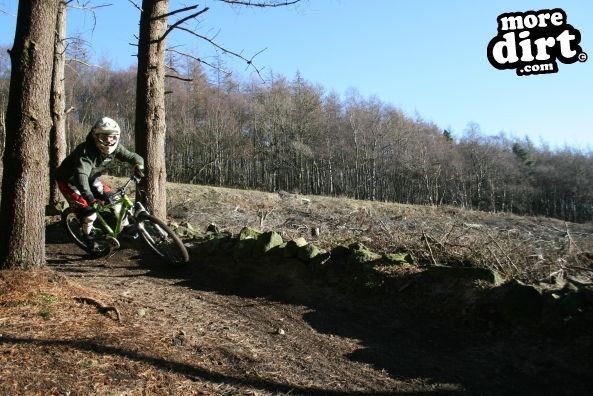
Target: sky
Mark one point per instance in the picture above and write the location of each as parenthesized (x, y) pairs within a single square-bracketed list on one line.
[(425, 57)]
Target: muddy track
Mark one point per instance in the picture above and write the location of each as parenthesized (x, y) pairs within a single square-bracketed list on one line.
[(235, 335)]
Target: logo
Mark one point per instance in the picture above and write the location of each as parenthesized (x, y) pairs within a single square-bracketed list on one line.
[(532, 42)]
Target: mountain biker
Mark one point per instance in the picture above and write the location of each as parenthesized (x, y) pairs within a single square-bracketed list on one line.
[(78, 175)]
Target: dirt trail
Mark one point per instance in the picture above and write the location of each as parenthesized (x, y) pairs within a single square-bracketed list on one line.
[(217, 335)]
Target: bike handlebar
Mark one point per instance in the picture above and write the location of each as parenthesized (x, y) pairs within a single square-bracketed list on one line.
[(112, 198)]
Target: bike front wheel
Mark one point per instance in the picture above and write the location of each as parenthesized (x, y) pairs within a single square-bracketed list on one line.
[(162, 239), (72, 224)]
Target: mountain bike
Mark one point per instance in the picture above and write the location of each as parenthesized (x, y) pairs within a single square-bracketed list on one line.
[(109, 226)]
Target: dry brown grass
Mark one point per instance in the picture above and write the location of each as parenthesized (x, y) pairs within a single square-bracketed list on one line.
[(51, 343), (525, 247)]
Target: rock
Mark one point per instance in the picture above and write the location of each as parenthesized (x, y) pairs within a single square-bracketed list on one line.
[(212, 228), (244, 248), (587, 292), (359, 254), (572, 304), (518, 302), (320, 259), (276, 254), (187, 231), (575, 298), (188, 225), (219, 242), (266, 242), (399, 258), (441, 272), (339, 252), (183, 232), (308, 252), (292, 247), (249, 233)]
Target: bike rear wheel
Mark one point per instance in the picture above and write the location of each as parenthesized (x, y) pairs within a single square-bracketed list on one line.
[(72, 224), (162, 239)]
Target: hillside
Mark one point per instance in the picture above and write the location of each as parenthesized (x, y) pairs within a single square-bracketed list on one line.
[(528, 248), (233, 324)]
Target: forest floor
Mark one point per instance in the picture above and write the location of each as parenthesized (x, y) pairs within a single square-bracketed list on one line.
[(129, 325)]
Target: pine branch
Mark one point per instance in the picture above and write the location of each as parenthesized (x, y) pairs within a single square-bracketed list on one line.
[(262, 4), (249, 62), (175, 12), (7, 13), (179, 22), (136, 5), (226, 72), (92, 9), (178, 77)]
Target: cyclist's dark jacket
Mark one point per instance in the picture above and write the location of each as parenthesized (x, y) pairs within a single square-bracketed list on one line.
[(86, 163)]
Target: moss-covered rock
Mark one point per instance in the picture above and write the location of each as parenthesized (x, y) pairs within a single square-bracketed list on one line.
[(184, 232), (442, 273), (292, 247), (575, 299), (219, 243), (308, 252), (212, 228), (520, 302), (320, 260), (399, 258), (339, 252), (266, 242), (243, 249), (249, 233), (276, 254), (359, 254), (188, 225)]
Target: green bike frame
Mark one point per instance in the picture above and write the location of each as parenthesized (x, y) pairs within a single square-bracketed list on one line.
[(126, 204)]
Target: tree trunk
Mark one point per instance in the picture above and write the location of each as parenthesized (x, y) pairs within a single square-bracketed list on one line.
[(57, 134), (150, 103), (28, 121)]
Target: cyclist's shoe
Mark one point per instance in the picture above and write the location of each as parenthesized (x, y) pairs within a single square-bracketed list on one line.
[(91, 243)]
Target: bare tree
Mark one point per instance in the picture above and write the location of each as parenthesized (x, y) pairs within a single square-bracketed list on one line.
[(150, 94), (57, 134), (28, 121), (150, 102)]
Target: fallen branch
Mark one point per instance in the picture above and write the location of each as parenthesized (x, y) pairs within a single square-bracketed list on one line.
[(570, 240), (502, 251), (429, 248), (100, 306), (578, 268), (500, 268), (263, 215)]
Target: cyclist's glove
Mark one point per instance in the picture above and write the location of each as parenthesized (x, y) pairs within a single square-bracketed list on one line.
[(138, 171), (89, 198), (105, 196)]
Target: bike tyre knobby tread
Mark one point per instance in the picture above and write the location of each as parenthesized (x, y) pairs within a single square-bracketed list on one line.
[(183, 255), (75, 238)]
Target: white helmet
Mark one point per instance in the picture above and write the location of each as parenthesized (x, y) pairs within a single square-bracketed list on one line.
[(106, 134)]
